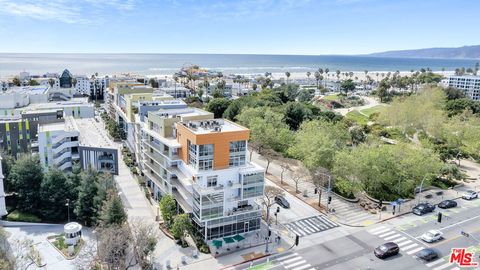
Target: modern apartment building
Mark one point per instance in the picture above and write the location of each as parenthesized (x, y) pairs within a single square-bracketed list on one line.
[(77, 140), (469, 84), (93, 87), (202, 162)]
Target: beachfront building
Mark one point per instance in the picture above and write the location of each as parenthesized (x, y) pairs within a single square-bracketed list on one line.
[(469, 84), (176, 91), (93, 87), (82, 141), (202, 162)]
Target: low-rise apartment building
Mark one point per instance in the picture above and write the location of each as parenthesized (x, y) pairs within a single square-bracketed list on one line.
[(469, 84), (82, 141)]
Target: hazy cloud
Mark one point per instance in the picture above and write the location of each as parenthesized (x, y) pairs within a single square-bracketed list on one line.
[(66, 11)]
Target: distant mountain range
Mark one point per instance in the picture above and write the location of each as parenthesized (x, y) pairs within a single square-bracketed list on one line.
[(465, 52)]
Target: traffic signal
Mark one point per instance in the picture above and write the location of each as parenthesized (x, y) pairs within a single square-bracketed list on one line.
[(269, 233), (278, 209), (316, 190), (380, 204), (297, 239), (439, 217), (329, 199)]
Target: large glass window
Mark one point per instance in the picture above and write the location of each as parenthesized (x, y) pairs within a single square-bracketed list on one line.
[(205, 150), (250, 192), (254, 178), (237, 153), (192, 154), (212, 181)]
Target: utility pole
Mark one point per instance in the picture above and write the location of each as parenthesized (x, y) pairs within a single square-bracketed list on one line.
[(68, 209)]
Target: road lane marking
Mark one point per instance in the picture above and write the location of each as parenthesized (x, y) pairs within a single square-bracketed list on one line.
[(415, 250), (396, 240), (376, 231), (291, 260), (386, 234), (404, 243), (392, 237), (295, 264), (410, 246), (443, 266), (302, 267), (434, 262)]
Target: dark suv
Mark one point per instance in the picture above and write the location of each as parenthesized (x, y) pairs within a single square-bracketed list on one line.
[(386, 250), (280, 200), (423, 208)]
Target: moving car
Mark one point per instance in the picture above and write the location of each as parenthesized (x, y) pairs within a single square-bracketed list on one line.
[(447, 204), (386, 250), (423, 208), (470, 194), (427, 254), (280, 200), (432, 236)]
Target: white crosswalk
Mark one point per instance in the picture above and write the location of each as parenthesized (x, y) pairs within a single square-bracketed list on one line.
[(311, 225), (293, 261), (409, 246)]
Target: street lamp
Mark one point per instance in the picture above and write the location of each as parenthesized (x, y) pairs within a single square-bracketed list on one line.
[(420, 189), (68, 209)]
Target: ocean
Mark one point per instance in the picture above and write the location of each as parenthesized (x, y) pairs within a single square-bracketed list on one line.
[(167, 64)]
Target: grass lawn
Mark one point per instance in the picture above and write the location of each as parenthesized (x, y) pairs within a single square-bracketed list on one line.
[(357, 117), (331, 98), (373, 110), (21, 216), (262, 266)]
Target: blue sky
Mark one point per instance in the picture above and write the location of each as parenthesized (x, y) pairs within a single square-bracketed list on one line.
[(236, 26)]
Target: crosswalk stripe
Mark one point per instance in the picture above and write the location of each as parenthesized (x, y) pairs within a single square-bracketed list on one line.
[(295, 264), (377, 229), (392, 236), (301, 267), (385, 234), (380, 231), (414, 250), (410, 246), (316, 226), (456, 268), (328, 221), (306, 227), (291, 260), (396, 240), (404, 243), (443, 266), (434, 262), (286, 257)]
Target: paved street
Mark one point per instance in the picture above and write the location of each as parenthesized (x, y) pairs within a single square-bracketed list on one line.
[(310, 225)]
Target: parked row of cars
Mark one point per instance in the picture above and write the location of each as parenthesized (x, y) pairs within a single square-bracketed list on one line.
[(424, 208), (391, 249)]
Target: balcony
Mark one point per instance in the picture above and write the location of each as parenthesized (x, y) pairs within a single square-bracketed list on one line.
[(243, 209)]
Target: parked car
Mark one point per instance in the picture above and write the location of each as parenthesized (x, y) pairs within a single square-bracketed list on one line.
[(447, 204), (432, 236), (423, 208), (470, 194), (280, 200), (427, 254), (386, 250)]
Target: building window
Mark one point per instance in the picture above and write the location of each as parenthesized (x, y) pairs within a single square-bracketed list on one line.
[(212, 181), (206, 164), (237, 153), (192, 154), (205, 150)]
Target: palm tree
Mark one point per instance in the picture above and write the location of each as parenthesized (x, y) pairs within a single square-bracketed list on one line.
[(326, 74), (288, 75), (308, 76), (317, 78)]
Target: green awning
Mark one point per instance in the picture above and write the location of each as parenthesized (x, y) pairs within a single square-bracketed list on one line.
[(217, 243), (228, 240), (238, 238)]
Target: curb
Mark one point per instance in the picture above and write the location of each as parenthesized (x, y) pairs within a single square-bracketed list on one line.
[(246, 261)]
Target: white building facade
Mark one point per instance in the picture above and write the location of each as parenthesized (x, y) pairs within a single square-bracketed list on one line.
[(469, 84)]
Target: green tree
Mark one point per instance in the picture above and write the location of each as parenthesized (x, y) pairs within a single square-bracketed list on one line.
[(51, 82), (316, 143), (288, 75), (113, 212), (85, 207), (33, 82), (26, 176), (347, 86), (270, 131), (387, 172), (182, 225), (295, 113), (7, 163), (54, 193), (218, 106), (16, 81), (168, 208), (233, 110)]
